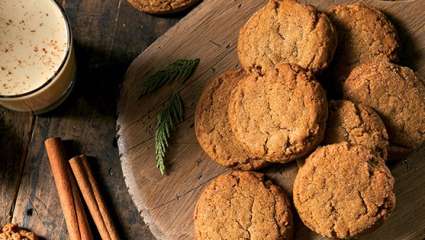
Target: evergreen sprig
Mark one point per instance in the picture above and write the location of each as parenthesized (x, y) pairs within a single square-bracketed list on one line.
[(167, 119), (180, 70), (173, 112)]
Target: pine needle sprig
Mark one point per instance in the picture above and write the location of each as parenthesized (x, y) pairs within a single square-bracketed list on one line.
[(180, 70), (173, 111), (168, 118)]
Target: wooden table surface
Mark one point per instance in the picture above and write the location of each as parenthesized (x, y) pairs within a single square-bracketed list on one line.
[(108, 34)]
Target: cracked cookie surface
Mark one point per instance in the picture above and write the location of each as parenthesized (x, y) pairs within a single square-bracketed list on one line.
[(342, 191), (279, 116), (212, 126), (364, 33), (285, 31), (356, 124), (12, 232), (396, 94), (162, 6), (243, 205)]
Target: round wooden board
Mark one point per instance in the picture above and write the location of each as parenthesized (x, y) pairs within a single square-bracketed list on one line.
[(209, 32)]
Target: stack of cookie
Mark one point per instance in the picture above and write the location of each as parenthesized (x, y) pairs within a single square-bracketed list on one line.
[(275, 110)]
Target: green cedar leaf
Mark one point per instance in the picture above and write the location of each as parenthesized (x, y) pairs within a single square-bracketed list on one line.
[(168, 119), (180, 70)]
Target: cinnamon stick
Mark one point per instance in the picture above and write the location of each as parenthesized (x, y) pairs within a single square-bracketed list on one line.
[(83, 225), (58, 166), (89, 197), (107, 219)]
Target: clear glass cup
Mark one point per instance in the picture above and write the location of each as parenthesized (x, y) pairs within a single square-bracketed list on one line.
[(48, 93)]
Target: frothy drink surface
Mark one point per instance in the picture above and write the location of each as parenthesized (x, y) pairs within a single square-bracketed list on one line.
[(33, 44)]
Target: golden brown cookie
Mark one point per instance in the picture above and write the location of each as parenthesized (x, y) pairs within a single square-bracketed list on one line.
[(285, 31), (279, 116), (243, 205), (356, 124), (13, 232), (162, 6), (212, 126), (364, 33), (343, 190), (398, 96)]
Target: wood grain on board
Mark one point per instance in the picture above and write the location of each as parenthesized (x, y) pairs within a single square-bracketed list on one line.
[(209, 32), (15, 134)]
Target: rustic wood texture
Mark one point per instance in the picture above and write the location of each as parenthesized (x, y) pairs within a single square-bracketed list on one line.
[(14, 138), (210, 32), (108, 35)]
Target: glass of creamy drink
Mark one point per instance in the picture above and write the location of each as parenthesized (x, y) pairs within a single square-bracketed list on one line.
[(37, 63)]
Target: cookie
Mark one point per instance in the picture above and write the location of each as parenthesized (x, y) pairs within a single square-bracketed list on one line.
[(356, 124), (279, 116), (162, 6), (343, 190), (212, 126), (13, 232), (243, 205), (364, 33), (398, 96), (285, 31)]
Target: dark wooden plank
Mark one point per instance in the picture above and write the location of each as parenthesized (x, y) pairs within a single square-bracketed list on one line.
[(14, 139), (108, 35)]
